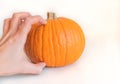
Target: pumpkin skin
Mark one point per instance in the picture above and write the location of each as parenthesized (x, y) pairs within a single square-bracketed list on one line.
[(59, 42)]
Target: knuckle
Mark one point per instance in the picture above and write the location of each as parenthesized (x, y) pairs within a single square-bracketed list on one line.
[(6, 20), (15, 15), (28, 20)]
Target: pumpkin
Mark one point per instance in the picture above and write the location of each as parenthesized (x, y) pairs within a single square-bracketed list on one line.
[(59, 42)]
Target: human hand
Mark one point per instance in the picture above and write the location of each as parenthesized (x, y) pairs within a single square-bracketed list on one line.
[(13, 59)]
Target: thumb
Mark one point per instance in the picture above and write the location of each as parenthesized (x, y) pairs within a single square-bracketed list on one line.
[(31, 68)]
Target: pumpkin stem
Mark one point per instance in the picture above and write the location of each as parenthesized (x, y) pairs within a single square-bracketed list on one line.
[(51, 15)]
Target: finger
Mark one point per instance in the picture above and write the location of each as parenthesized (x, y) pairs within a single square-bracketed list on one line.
[(5, 30), (13, 25), (26, 26), (6, 26), (30, 68), (16, 20), (34, 19)]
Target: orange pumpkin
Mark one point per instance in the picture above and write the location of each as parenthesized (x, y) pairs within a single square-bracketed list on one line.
[(58, 43)]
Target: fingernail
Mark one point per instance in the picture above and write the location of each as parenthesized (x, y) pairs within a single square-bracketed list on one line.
[(42, 64)]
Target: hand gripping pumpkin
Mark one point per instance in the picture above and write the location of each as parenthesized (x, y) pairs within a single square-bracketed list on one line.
[(58, 43)]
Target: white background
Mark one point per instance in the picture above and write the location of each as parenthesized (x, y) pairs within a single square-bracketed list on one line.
[(100, 21)]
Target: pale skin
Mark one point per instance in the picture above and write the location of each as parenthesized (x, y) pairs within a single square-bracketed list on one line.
[(13, 59)]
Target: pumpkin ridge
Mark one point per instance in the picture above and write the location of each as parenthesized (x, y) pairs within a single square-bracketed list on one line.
[(69, 56), (42, 44), (39, 37), (46, 55), (31, 43), (54, 54), (54, 23), (66, 40), (50, 40), (47, 44), (53, 26), (76, 25), (59, 56), (34, 36), (81, 35), (52, 44), (35, 46)]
